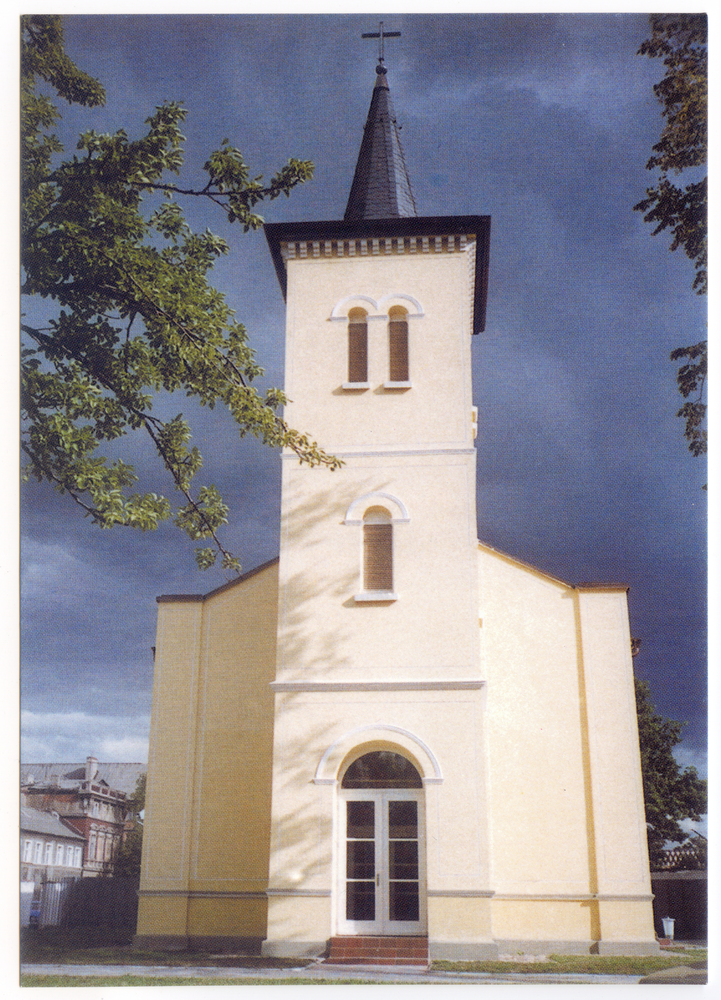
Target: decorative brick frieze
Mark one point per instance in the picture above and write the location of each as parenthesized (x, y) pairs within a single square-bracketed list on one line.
[(302, 249)]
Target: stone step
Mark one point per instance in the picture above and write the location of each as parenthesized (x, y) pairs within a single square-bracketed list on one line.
[(378, 950)]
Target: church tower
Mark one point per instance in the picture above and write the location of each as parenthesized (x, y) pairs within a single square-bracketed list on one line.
[(393, 743), (378, 647)]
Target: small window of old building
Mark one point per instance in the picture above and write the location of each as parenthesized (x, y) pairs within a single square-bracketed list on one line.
[(357, 346), (398, 345), (377, 550)]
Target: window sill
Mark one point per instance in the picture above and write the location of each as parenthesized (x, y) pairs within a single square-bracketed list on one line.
[(397, 385), (377, 596), (358, 386)]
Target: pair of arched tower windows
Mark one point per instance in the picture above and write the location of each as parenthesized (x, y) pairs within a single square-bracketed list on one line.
[(398, 362)]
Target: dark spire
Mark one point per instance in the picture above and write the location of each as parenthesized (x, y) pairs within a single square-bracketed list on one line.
[(381, 187)]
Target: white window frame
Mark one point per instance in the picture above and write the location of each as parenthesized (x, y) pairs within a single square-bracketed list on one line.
[(355, 516)]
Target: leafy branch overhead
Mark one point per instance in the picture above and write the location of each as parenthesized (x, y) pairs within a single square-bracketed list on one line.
[(128, 311), (681, 41)]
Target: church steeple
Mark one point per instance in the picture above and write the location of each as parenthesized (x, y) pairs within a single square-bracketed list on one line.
[(381, 187)]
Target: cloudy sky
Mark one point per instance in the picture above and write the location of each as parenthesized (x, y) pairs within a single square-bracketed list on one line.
[(545, 122)]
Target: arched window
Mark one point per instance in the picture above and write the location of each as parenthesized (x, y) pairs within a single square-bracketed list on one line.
[(398, 344), (377, 550), (381, 769), (357, 345)]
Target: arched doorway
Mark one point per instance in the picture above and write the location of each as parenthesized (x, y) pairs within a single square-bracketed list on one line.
[(381, 847)]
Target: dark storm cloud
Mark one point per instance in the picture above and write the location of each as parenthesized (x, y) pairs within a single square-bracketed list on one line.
[(543, 121)]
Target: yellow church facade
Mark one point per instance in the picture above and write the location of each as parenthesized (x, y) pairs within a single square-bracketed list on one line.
[(392, 733)]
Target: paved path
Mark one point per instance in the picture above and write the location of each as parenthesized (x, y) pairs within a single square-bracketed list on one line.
[(319, 971)]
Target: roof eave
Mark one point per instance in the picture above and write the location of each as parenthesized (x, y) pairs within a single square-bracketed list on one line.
[(278, 233)]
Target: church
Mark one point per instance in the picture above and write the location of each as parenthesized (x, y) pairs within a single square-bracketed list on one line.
[(393, 743)]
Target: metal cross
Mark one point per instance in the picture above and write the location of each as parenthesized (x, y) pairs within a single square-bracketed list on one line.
[(381, 35)]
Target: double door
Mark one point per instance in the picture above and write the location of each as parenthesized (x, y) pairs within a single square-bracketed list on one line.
[(382, 859)]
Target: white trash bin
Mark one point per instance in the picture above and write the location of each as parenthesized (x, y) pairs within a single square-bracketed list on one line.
[(668, 923)]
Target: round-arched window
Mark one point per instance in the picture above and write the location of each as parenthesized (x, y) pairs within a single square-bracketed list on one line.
[(357, 345), (398, 344), (381, 769), (377, 550)]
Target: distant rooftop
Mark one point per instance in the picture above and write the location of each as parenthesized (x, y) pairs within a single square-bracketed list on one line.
[(120, 777), (36, 821)]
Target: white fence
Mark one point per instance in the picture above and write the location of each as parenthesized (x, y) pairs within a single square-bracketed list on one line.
[(41, 903)]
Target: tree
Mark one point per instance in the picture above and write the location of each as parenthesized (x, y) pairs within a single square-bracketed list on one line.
[(681, 41), (120, 307), (669, 794), (127, 859)]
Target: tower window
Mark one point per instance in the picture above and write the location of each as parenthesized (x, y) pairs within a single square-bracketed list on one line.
[(377, 551), (398, 344), (357, 346)]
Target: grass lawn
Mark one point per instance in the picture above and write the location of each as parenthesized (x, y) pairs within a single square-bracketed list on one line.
[(96, 981), (607, 965), (58, 947), (55, 946)]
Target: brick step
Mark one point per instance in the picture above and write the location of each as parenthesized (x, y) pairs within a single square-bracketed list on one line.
[(379, 950)]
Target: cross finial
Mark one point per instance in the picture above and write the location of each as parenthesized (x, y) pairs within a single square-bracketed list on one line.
[(381, 35)]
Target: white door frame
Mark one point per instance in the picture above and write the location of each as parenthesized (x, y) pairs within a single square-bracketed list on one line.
[(382, 924)]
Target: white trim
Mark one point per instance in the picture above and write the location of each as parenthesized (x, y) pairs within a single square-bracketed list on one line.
[(462, 684), (381, 727), (351, 516), (574, 896), (461, 893), (335, 314), (397, 385), (404, 297), (339, 313), (296, 892), (433, 451), (377, 596), (355, 386)]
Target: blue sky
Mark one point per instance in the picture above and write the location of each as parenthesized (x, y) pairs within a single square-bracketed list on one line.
[(545, 122)]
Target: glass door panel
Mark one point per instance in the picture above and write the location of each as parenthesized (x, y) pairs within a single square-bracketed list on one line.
[(360, 860), (403, 869)]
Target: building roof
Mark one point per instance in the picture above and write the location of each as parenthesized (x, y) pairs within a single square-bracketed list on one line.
[(35, 821), (119, 777), (199, 598), (381, 186), (549, 576)]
